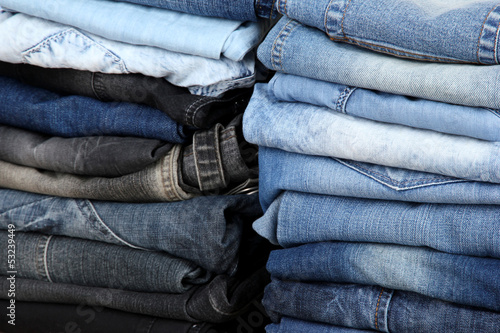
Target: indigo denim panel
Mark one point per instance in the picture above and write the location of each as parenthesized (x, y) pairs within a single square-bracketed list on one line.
[(313, 130), (481, 123), (293, 48), (220, 300), (40, 110), (454, 278), (70, 260), (51, 317), (165, 227), (296, 218), (432, 30), (292, 325), (143, 25), (373, 307), (177, 102), (48, 44), (100, 156)]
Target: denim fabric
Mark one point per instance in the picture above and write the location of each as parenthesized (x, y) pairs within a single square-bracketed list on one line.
[(466, 280), (291, 325), (51, 317), (296, 218), (143, 25), (92, 155), (433, 30), (293, 48), (372, 307), (481, 123), (49, 44), (43, 111), (220, 300), (309, 129), (177, 102), (164, 227), (97, 264)]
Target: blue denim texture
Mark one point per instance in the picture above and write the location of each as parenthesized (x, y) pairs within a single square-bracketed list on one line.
[(143, 25), (48, 44), (375, 308), (293, 48), (292, 325), (40, 110), (309, 129), (166, 227), (481, 123), (296, 218), (433, 30), (465, 280)]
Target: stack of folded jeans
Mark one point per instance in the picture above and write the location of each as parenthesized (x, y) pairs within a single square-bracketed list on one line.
[(127, 190), (379, 173)]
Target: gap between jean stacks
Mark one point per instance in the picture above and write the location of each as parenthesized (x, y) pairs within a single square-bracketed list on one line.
[(373, 307), (293, 48), (177, 102), (313, 130), (296, 218), (48, 44), (203, 36), (465, 280), (292, 325), (441, 31), (57, 259), (481, 123)]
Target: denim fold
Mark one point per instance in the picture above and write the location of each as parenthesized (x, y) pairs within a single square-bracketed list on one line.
[(460, 279), (49, 44), (373, 308), (292, 47), (461, 31), (177, 102), (164, 227), (292, 325), (70, 260)]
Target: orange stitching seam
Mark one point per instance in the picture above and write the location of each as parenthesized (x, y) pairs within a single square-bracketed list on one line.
[(376, 309)]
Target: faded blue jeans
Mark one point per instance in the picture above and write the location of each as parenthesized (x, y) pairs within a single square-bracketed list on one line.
[(293, 48)]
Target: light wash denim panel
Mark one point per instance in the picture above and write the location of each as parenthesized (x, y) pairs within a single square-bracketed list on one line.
[(480, 123), (49, 44), (432, 30), (293, 48)]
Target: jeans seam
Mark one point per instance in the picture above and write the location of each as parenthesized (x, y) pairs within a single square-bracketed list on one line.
[(325, 21), (377, 308), (343, 98), (277, 50), (193, 109), (481, 34)]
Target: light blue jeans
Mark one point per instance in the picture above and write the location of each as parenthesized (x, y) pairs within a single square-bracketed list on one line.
[(465, 280), (433, 30), (293, 48), (48, 44), (143, 25), (296, 218), (308, 129), (481, 123)]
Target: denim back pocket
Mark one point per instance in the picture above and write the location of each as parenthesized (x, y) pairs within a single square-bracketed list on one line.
[(398, 179), (71, 48)]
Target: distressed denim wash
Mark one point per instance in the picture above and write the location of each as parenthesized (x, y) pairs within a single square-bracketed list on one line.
[(280, 170), (48, 44), (293, 48), (143, 25), (481, 123), (296, 218), (90, 155), (52, 317), (314, 130), (432, 30), (166, 227), (177, 102), (243, 10), (222, 299), (466, 280), (292, 325), (373, 307), (82, 262), (41, 110)]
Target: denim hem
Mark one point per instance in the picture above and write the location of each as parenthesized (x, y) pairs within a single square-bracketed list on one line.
[(41, 258), (382, 310), (341, 104), (169, 176), (334, 19), (487, 44), (279, 42)]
